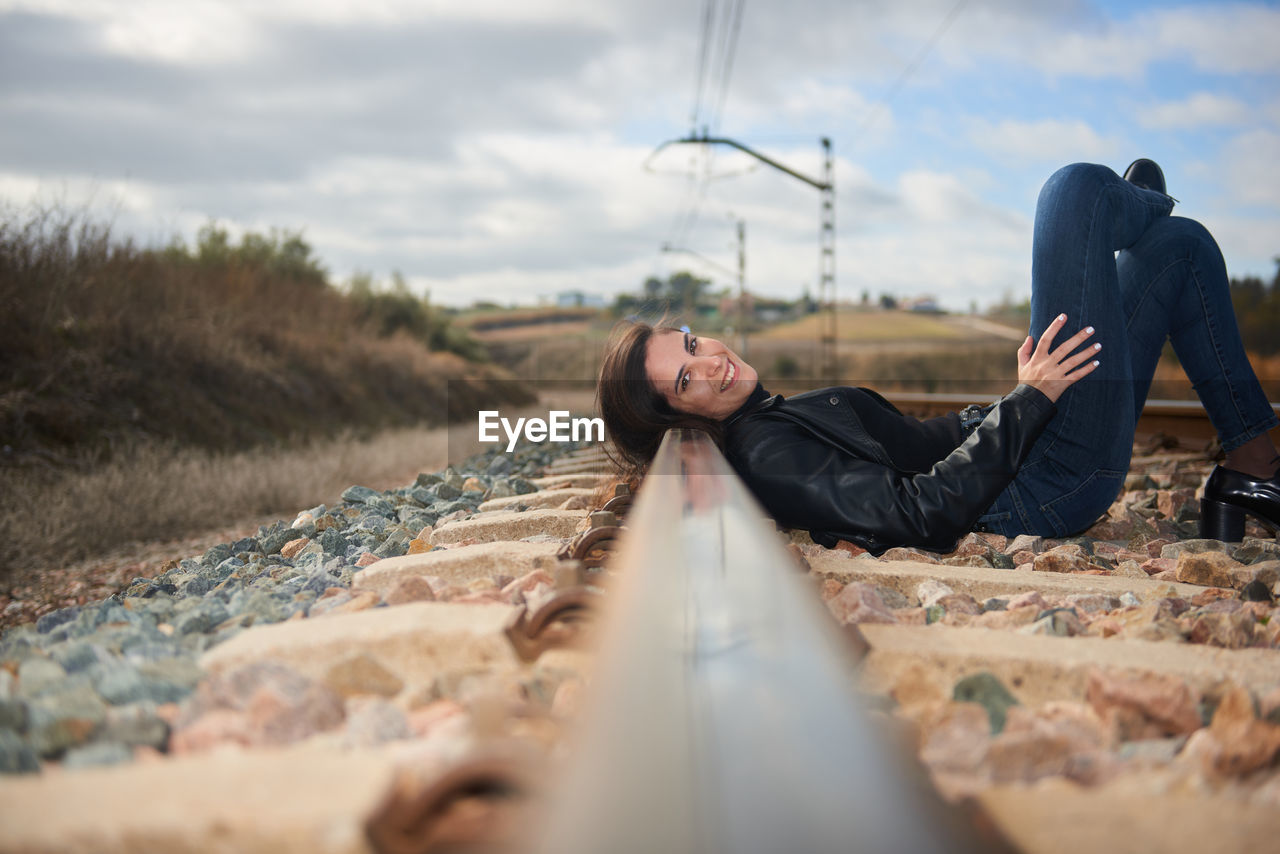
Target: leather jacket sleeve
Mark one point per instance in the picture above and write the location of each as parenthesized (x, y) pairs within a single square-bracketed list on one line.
[(847, 490)]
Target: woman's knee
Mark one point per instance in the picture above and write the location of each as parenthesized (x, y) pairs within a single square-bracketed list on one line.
[(1178, 238), (1075, 180), (1194, 236)]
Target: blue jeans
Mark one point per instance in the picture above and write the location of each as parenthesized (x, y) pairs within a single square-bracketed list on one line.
[(1168, 282)]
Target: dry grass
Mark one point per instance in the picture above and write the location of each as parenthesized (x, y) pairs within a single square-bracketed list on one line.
[(153, 492)]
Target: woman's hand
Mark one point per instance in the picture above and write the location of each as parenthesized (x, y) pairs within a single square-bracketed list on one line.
[(1051, 369)]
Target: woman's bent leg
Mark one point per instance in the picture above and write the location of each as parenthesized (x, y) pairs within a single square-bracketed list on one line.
[(1085, 214), (1174, 285)]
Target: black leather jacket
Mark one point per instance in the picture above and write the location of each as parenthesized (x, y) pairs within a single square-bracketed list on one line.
[(813, 464)]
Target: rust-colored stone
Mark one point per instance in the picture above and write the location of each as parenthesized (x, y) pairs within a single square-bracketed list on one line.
[(860, 603), (1145, 705), (1209, 569)]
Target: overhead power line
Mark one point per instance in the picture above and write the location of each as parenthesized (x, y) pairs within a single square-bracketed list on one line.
[(704, 47), (908, 70), (733, 25)]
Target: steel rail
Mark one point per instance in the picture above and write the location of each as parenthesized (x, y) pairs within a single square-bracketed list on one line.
[(722, 715), (1185, 419)]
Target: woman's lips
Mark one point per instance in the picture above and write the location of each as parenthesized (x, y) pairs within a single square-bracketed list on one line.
[(730, 375)]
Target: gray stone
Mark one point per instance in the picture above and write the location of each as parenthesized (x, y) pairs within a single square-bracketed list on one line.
[(273, 538), (200, 620), (100, 753), (1195, 547), (447, 491), (79, 655), (986, 689), (317, 582), (1090, 602), (121, 683), (426, 479), (19, 643), (332, 542), (1025, 542), (197, 586), (36, 675), (16, 756), (995, 603), (111, 611), (49, 622), (152, 650), (1256, 591), (265, 608), (462, 508), (13, 714), (371, 521), (500, 466), (892, 598), (65, 718), (136, 723), (453, 478), (215, 555), (1000, 560), (522, 486), (1254, 550), (394, 545), (247, 544), (1056, 622), (501, 489), (359, 494), (223, 570), (1129, 600)]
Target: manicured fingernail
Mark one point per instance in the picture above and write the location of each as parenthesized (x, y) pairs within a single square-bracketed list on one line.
[(1062, 317), (1097, 346), (1089, 329), (1096, 363)]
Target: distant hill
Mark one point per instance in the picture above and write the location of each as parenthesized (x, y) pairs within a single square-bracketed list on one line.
[(871, 325)]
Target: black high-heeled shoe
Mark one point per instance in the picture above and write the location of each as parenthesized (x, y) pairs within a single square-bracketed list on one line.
[(1146, 174), (1229, 496)]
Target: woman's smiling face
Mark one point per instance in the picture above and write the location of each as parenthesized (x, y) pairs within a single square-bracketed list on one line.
[(697, 375)]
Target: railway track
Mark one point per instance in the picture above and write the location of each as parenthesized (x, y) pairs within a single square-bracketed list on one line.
[(673, 683), (1185, 420)]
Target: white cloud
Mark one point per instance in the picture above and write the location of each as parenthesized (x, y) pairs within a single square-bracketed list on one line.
[(1202, 109), (478, 144), (1250, 160), (1070, 39), (1047, 140), (1222, 38)]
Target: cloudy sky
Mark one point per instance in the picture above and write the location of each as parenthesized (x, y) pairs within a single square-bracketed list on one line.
[(501, 149)]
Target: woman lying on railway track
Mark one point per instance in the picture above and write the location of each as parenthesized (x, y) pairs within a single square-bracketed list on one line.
[(1050, 456)]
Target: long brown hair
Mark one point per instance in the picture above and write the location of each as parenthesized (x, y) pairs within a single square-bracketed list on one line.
[(635, 415)]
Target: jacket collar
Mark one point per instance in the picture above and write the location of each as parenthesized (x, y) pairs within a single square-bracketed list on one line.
[(755, 399)]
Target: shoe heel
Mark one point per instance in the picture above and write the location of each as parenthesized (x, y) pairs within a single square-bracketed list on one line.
[(1220, 521)]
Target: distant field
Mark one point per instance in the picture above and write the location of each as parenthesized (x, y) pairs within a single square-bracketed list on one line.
[(870, 326), (532, 331), (525, 323)]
